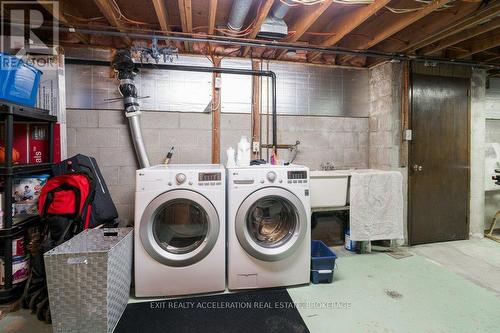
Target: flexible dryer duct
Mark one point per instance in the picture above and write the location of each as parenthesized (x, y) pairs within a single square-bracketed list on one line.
[(127, 70), (238, 14)]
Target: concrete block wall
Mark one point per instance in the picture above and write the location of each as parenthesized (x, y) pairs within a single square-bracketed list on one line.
[(385, 116), (341, 141), (385, 139), (104, 134)]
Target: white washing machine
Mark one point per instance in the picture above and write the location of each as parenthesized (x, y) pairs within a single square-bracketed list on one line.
[(179, 230), (269, 236)]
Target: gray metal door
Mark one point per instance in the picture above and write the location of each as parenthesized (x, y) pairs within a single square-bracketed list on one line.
[(271, 223), (179, 227)]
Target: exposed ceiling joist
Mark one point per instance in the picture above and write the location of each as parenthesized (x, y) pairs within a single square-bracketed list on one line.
[(346, 24), (107, 10), (480, 16), (462, 36), (212, 11), (399, 24), (304, 23), (162, 14), (186, 15), (59, 16), (481, 45), (261, 16), (494, 58)]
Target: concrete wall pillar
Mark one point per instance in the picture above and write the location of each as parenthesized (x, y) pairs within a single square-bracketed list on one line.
[(477, 144)]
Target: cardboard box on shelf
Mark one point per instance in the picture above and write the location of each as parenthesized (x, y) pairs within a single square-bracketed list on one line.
[(20, 270), (30, 142), (25, 194)]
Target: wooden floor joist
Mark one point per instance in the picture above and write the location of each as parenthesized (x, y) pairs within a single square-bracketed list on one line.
[(212, 12), (461, 36), (162, 14), (481, 45), (425, 28), (346, 24), (186, 16), (468, 22), (59, 16), (216, 107), (261, 16), (304, 23), (398, 25), (107, 10), (256, 91)]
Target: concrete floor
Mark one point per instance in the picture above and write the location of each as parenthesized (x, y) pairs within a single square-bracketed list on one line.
[(476, 260), (378, 293), (444, 287)]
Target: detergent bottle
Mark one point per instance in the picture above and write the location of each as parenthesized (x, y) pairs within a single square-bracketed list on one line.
[(231, 163), (243, 158)]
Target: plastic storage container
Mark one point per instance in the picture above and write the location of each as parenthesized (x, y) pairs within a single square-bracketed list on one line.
[(350, 245), (88, 279), (18, 81), (322, 262)]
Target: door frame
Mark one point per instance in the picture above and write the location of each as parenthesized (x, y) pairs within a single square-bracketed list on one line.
[(411, 143)]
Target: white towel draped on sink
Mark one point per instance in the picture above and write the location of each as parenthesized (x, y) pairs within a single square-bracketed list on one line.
[(376, 205)]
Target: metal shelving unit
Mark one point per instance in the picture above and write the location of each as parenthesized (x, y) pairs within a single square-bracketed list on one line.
[(15, 226)]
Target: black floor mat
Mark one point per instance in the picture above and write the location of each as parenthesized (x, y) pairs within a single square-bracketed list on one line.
[(261, 311)]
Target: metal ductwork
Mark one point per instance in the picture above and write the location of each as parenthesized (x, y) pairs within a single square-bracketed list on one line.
[(127, 70), (239, 12), (274, 26)]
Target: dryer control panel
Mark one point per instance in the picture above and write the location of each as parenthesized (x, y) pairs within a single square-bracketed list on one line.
[(183, 176)]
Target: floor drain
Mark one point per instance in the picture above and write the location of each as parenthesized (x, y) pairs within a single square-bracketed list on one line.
[(393, 294)]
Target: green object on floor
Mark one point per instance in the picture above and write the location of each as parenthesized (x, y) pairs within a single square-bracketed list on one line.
[(376, 293)]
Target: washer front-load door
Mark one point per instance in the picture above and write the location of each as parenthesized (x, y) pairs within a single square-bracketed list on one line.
[(179, 227), (271, 223)]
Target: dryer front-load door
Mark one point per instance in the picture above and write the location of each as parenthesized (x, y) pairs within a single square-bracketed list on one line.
[(271, 223), (179, 227)]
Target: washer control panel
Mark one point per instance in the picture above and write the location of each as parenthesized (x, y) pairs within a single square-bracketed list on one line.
[(180, 178), (271, 176), (209, 179), (296, 177)]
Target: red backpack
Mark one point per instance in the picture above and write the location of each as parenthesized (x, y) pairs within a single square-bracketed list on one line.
[(68, 196)]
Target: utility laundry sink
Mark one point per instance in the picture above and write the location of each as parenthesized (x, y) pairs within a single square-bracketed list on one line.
[(329, 189)]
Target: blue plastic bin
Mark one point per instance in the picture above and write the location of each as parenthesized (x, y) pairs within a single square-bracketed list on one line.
[(19, 81), (322, 262), (323, 276)]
